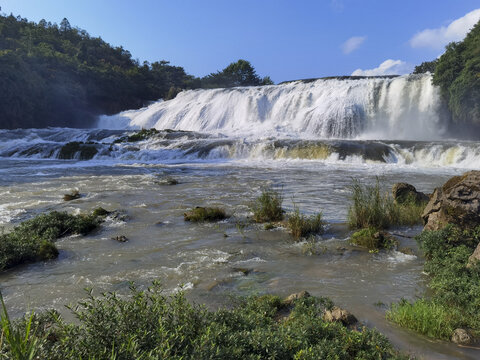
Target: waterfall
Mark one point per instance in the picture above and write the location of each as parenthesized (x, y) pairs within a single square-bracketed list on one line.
[(402, 108)]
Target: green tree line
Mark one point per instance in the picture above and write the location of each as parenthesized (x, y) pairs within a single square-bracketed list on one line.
[(59, 75), (457, 73)]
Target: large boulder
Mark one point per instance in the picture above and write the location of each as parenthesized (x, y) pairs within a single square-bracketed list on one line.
[(403, 192), (337, 314), (462, 337), (456, 202)]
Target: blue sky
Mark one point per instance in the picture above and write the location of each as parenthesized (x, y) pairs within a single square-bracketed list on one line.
[(284, 39)]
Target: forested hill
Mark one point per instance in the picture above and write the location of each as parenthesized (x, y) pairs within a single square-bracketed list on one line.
[(58, 75), (457, 73)]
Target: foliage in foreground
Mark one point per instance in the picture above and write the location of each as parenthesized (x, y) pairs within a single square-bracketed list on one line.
[(33, 239), (302, 226), (371, 208), (150, 325), (268, 206), (455, 300)]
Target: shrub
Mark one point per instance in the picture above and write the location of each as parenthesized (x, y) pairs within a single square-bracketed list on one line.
[(200, 214), (33, 239), (372, 239), (372, 208), (150, 325), (268, 206), (302, 226)]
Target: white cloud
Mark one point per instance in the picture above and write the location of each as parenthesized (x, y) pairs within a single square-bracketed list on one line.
[(439, 37), (388, 67), (353, 44)]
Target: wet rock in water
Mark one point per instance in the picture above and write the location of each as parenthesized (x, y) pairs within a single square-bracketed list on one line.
[(118, 215), (72, 196), (244, 271), (406, 251), (289, 300), (474, 258), (462, 337), (337, 314), (80, 150), (168, 180), (99, 211), (405, 193), (456, 202), (120, 238)]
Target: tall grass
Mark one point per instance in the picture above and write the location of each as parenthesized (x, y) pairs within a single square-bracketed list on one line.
[(302, 226), (268, 206), (371, 207), (19, 344), (425, 317)]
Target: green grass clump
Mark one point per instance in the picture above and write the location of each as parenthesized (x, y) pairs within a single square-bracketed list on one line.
[(33, 239), (373, 208), (425, 317), (301, 226), (268, 206), (455, 287), (201, 214), (372, 239), (151, 325)]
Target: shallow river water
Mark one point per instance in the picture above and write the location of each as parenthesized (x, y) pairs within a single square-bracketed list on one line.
[(213, 261)]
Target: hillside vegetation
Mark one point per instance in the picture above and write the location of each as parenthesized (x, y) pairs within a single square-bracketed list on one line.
[(457, 73), (59, 75)]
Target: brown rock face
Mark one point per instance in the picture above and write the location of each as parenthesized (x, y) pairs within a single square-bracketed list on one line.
[(403, 192), (340, 315), (456, 202), (462, 336)]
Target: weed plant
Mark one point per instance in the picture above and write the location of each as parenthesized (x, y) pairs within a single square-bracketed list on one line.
[(150, 325), (302, 226), (455, 299), (268, 206), (375, 209)]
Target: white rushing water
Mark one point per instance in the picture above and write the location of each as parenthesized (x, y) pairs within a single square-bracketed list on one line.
[(402, 108)]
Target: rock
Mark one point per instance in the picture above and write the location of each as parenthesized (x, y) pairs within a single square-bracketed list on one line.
[(462, 337), (403, 192), (120, 238), (456, 202), (340, 315), (475, 257), (289, 300), (406, 251), (74, 195)]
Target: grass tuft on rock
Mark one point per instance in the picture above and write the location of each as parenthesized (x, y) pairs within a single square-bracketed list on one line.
[(373, 208), (373, 239), (142, 135), (33, 239), (268, 206), (151, 325), (203, 214), (302, 226)]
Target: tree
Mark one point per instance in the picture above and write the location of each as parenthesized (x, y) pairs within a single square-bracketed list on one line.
[(457, 73), (426, 66), (240, 73), (65, 25)]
